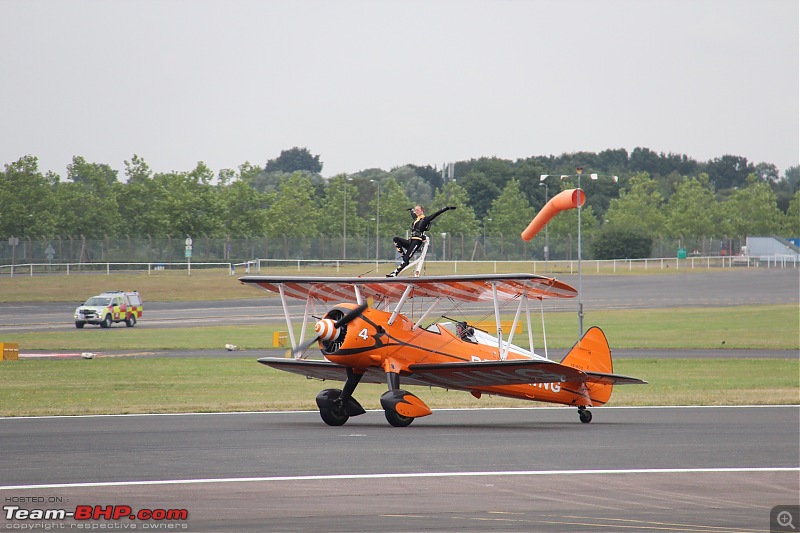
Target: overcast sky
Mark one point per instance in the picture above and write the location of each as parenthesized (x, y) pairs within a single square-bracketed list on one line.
[(368, 84)]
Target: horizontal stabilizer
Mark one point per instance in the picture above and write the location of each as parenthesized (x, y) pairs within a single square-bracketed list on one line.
[(613, 379), (592, 355)]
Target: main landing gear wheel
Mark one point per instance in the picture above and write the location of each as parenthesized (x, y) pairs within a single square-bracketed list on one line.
[(333, 417), (336, 407), (331, 409), (396, 419), (401, 407), (585, 415)]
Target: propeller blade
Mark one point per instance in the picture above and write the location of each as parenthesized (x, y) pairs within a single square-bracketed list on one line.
[(350, 316), (346, 319), (303, 347)]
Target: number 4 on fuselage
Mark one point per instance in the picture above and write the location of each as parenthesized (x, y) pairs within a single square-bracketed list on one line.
[(381, 344)]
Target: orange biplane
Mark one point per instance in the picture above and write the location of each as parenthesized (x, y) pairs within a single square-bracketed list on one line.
[(378, 343)]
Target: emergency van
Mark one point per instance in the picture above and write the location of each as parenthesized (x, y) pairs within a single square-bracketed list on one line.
[(110, 307)]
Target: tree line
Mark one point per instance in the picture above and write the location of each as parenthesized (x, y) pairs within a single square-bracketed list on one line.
[(656, 195)]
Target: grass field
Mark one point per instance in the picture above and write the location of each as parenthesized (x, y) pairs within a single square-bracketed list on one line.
[(167, 385), (133, 385), (163, 286)]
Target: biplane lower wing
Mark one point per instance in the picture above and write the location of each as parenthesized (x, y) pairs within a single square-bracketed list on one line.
[(494, 373), (324, 370), (327, 371), (463, 376)]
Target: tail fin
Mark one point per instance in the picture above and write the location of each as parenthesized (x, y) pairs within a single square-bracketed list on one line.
[(592, 355)]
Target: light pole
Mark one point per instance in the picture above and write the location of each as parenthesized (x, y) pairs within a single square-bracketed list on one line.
[(546, 234), (344, 223), (579, 171), (376, 241), (484, 237), (377, 222)]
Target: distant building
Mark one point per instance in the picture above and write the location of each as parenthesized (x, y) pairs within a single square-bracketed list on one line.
[(772, 249)]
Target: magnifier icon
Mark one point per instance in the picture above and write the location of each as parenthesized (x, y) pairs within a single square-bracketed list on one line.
[(785, 519)]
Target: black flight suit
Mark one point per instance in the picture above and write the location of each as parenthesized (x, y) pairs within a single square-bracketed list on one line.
[(408, 247)]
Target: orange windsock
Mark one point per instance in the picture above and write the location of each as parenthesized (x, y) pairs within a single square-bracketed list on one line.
[(564, 200)]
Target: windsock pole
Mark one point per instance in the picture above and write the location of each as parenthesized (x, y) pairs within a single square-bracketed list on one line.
[(568, 199), (578, 199)]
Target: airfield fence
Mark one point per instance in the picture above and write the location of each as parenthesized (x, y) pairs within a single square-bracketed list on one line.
[(447, 254), (436, 267), (452, 247)]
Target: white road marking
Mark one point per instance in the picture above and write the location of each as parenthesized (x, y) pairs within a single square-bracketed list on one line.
[(273, 479)]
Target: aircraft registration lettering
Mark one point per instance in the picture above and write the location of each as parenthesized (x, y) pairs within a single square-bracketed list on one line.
[(555, 387)]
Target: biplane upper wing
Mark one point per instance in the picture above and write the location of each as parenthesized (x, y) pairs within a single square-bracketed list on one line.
[(467, 288)]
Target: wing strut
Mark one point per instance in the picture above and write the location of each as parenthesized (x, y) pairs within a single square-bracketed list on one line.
[(497, 322), (507, 346), (359, 298), (309, 301), (400, 304), (286, 315), (425, 314), (544, 331), (528, 318)]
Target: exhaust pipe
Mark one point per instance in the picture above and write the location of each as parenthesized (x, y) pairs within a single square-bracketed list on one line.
[(568, 199)]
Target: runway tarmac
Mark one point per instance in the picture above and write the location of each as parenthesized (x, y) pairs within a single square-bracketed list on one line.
[(536, 469), (734, 287)]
